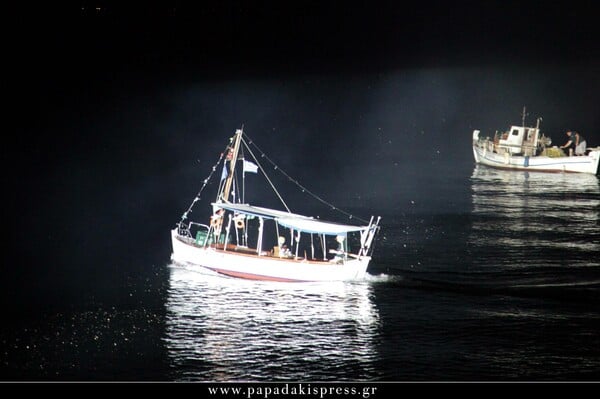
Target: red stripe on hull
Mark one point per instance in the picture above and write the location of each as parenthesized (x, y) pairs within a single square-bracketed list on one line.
[(250, 276)]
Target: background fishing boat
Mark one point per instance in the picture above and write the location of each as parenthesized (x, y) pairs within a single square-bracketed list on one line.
[(526, 148)]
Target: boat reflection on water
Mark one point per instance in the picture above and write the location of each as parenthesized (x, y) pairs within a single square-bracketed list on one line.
[(226, 329), (523, 218)]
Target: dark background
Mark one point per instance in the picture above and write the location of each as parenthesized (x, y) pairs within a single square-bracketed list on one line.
[(117, 112)]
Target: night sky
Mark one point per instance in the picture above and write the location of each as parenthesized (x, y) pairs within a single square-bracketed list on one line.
[(116, 113)]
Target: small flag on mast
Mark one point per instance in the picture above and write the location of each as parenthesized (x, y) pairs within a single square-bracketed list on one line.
[(249, 167), (224, 173)]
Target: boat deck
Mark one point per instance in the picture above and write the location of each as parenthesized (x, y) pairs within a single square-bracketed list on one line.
[(253, 252)]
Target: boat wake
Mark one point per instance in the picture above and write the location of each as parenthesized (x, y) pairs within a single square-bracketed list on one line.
[(381, 278)]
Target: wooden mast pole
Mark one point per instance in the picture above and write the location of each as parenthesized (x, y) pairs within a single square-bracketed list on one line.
[(232, 162)]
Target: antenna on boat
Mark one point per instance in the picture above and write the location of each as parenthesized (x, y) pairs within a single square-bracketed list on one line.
[(523, 115)]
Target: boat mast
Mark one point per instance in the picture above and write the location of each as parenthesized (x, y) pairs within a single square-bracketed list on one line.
[(236, 148), (523, 116)]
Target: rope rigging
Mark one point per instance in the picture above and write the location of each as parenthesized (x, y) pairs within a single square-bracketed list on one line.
[(204, 184), (304, 189), (264, 173), (184, 227)]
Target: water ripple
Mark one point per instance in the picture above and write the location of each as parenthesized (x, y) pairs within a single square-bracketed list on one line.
[(224, 329)]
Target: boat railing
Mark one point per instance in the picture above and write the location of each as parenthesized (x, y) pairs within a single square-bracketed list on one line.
[(200, 233)]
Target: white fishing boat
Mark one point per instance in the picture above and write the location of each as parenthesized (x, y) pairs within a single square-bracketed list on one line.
[(525, 148), (249, 241)]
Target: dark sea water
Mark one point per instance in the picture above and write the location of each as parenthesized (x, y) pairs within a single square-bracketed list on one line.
[(505, 288)]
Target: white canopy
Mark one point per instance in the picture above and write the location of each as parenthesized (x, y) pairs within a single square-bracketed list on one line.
[(291, 220), (257, 210), (316, 226)]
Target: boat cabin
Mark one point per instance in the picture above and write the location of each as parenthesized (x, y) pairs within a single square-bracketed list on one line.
[(518, 140)]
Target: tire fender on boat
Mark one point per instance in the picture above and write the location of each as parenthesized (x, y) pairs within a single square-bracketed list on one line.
[(239, 223), (215, 220)]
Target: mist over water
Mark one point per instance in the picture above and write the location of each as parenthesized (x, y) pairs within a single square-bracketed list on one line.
[(477, 274), (507, 289)]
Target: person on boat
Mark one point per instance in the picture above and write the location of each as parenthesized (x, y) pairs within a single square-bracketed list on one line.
[(580, 144), (570, 144), (340, 254), (282, 249), (285, 251)]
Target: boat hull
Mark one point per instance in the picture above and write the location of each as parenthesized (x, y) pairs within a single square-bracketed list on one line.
[(265, 268), (574, 164)]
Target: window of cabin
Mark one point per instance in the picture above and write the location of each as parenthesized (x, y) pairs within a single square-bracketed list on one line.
[(530, 134)]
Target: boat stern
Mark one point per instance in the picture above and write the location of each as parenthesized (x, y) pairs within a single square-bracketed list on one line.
[(476, 145), (182, 251), (594, 154), (475, 154)]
